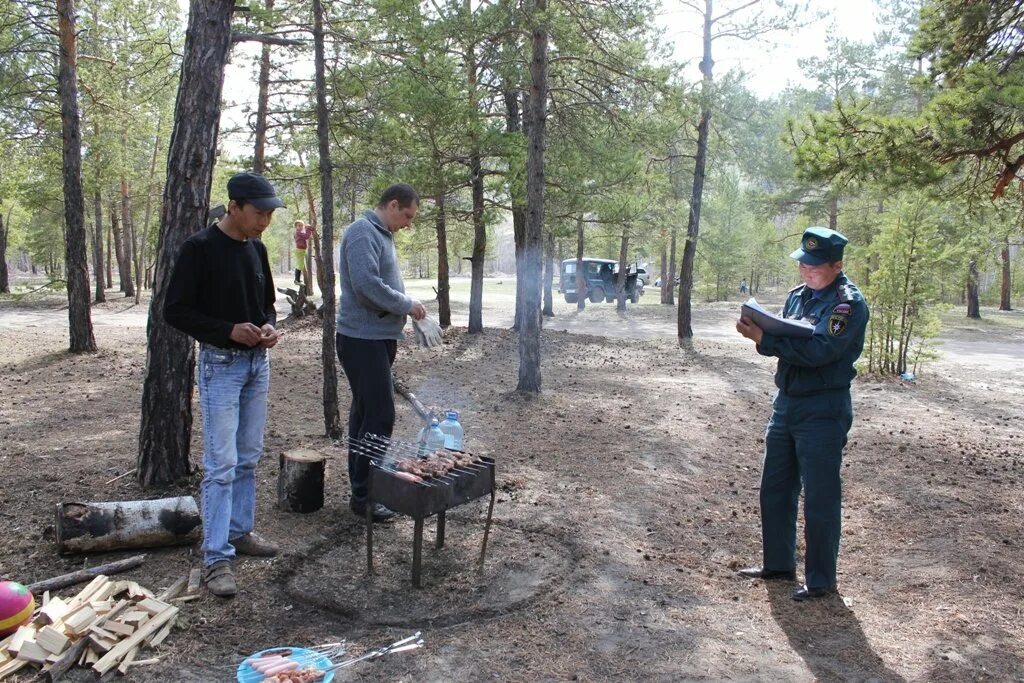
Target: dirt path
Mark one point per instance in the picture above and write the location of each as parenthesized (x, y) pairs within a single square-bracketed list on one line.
[(627, 498)]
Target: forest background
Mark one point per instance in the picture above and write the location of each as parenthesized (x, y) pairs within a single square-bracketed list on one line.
[(908, 142)]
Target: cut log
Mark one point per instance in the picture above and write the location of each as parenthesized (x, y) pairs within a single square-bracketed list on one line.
[(97, 574), (195, 580), (93, 527), (300, 482)]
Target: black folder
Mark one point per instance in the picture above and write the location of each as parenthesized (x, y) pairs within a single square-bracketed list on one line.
[(775, 324)]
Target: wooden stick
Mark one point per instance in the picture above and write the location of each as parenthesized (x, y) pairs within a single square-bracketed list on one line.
[(82, 575), (110, 660), (402, 389), (120, 476)]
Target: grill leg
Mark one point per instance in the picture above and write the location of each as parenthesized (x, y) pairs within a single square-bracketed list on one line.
[(440, 529), (487, 530), (369, 537), (417, 551)]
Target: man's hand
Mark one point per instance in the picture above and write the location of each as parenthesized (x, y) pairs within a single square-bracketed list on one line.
[(418, 312), (246, 334), (269, 336), (749, 329)]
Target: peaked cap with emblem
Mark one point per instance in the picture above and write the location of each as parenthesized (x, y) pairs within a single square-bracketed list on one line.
[(820, 245)]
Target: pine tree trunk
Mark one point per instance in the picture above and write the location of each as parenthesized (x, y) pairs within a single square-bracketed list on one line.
[(833, 213), (1005, 290), (262, 100), (476, 179), (332, 416), (529, 330), (973, 305), (444, 304), (549, 275), (118, 237), (581, 277), (166, 426), (129, 240), (75, 258), (109, 263), (142, 274), (97, 245), (513, 124), (684, 328), (620, 281), (5, 285)]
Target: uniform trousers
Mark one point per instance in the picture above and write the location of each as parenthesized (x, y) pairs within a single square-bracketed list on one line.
[(804, 447)]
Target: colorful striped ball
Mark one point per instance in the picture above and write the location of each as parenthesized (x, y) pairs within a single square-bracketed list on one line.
[(16, 606)]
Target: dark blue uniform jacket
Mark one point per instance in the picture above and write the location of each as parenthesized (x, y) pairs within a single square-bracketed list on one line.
[(824, 361)]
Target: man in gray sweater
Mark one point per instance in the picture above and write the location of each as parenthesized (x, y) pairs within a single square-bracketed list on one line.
[(371, 315)]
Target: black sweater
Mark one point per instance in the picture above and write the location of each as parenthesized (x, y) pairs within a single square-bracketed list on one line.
[(218, 282)]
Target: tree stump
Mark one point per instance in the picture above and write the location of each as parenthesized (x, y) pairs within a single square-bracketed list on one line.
[(300, 481), (94, 527)]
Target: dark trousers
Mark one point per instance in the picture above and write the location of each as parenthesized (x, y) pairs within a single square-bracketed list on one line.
[(804, 446), (367, 365)]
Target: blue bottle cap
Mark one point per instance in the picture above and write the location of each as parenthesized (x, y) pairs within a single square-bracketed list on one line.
[(452, 414)]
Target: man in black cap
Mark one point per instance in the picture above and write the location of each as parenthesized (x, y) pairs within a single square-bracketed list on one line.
[(222, 293), (811, 417)]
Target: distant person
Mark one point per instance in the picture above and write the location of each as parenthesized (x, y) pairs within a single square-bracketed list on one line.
[(221, 293), (743, 286), (812, 414), (303, 233), (371, 314)]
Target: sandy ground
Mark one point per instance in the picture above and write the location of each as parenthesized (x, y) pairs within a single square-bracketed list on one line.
[(627, 499)]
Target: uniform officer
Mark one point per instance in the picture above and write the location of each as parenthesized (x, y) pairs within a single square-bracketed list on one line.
[(812, 414)]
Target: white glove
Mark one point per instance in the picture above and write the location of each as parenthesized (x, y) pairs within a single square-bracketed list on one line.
[(428, 332)]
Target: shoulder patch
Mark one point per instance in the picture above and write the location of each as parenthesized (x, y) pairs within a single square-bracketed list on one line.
[(837, 325), (843, 309), (848, 293)]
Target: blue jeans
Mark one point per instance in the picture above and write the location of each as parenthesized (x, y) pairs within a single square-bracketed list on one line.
[(233, 385)]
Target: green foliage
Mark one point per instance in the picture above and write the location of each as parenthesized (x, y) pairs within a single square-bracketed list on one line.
[(906, 261)]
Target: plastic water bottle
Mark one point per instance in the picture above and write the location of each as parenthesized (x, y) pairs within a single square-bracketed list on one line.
[(454, 436), (431, 438)]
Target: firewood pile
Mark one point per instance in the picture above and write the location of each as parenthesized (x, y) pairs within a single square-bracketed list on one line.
[(105, 627)]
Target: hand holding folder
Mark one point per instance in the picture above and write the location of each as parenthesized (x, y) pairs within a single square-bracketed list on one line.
[(774, 324)]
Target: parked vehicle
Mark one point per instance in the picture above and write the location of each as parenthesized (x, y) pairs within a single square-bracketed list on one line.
[(600, 276), (657, 283)]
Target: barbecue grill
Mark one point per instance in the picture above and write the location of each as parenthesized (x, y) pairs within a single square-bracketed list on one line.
[(419, 498)]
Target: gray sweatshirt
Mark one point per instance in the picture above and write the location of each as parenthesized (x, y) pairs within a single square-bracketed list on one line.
[(373, 301)]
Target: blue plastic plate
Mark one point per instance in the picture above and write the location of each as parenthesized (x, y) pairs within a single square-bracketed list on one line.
[(247, 674)]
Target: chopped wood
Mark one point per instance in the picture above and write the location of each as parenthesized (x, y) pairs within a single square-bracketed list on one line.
[(134, 616), (121, 606), (53, 612), (195, 580), (31, 651), (152, 605), (78, 621), (91, 656), (162, 634), (86, 593), (12, 667), (117, 627), (53, 639), (174, 590), (22, 635), (101, 632), (100, 644), (70, 658), (108, 660), (45, 600), (145, 662), (65, 580), (102, 607), (122, 668), (186, 598)]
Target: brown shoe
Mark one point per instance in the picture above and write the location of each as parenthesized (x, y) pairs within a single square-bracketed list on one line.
[(220, 579), (255, 545)]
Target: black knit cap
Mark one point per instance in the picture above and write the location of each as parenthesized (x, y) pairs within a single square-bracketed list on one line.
[(255, 190)]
